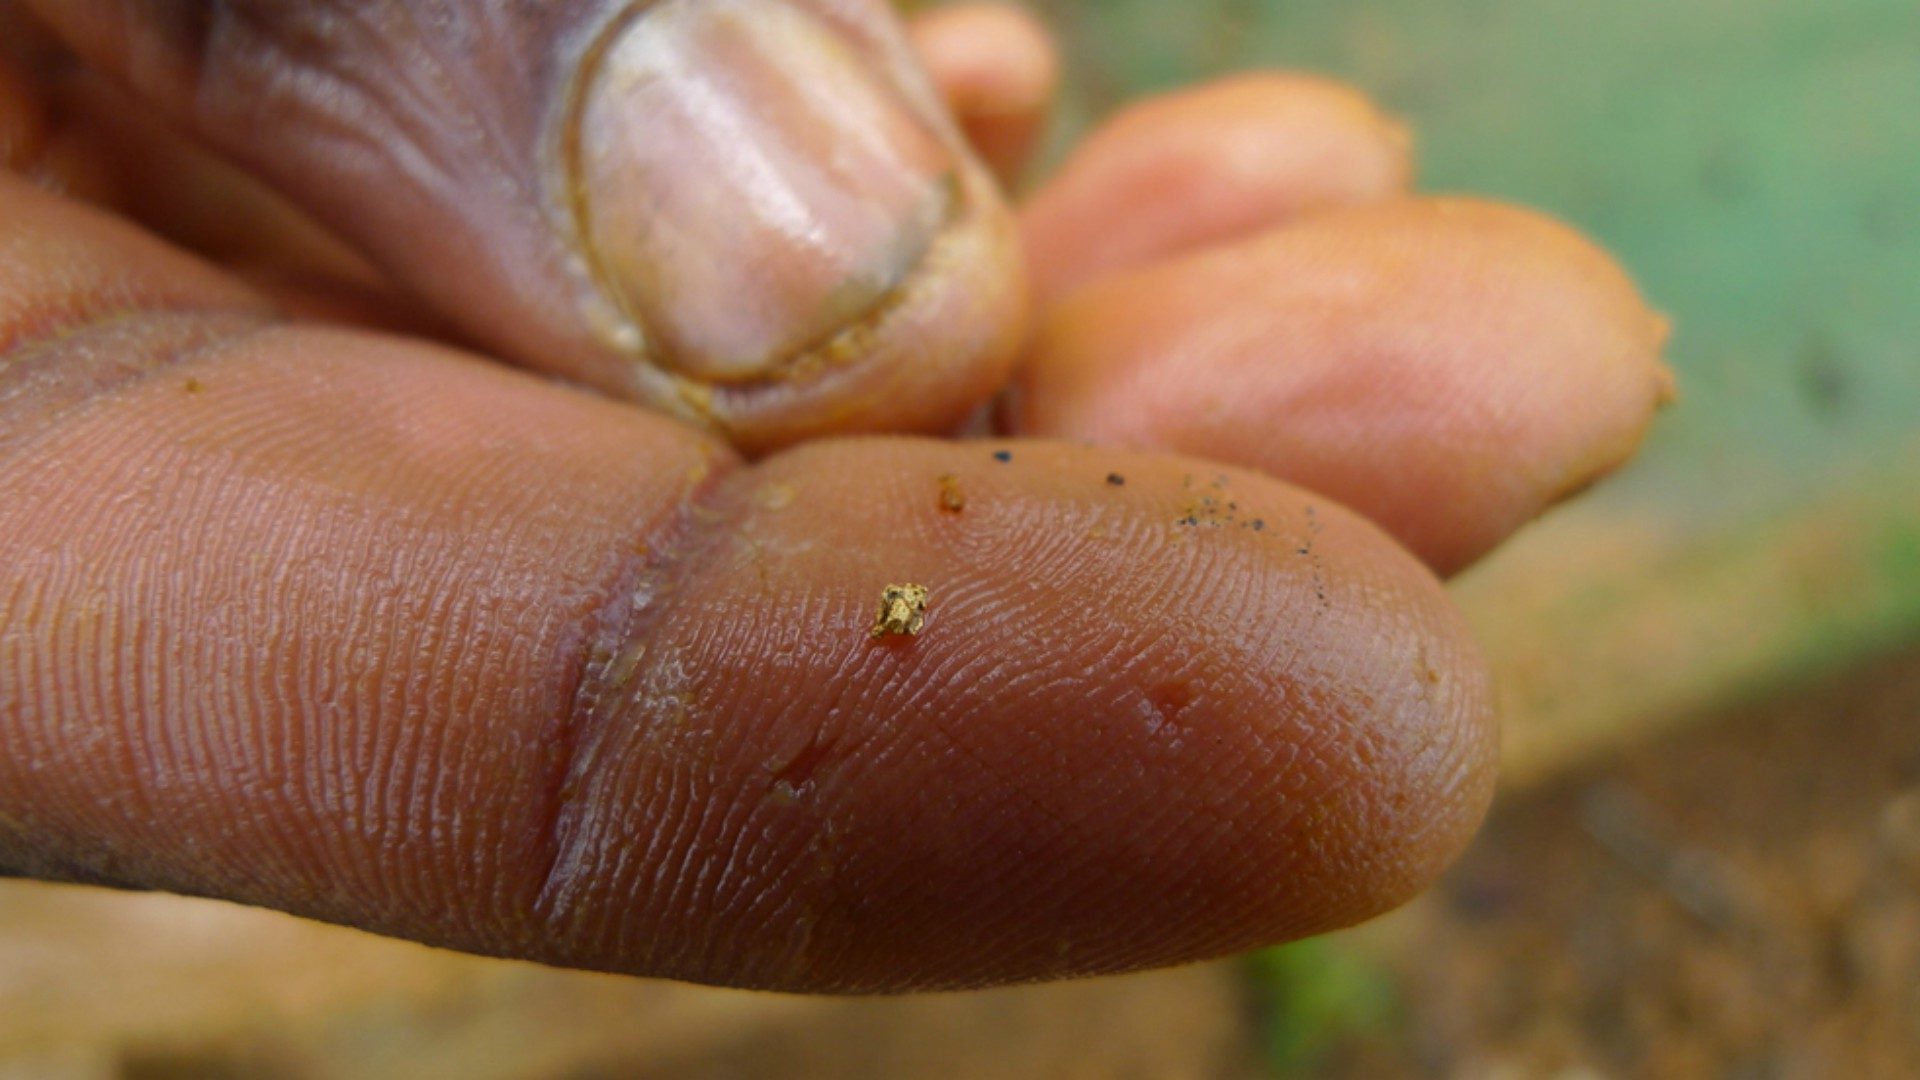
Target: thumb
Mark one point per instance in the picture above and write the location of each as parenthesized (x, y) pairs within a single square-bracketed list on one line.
[(748, 213)]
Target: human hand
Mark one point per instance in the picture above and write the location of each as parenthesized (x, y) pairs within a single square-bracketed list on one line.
[(305, 613)]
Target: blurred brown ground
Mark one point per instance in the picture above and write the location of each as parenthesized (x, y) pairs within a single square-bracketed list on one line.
[(1742, 901)]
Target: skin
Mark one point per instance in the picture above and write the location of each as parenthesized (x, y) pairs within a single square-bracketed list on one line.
[(1287, 350), (376, 630), (362, 114), (1205, 166), (996, 68)]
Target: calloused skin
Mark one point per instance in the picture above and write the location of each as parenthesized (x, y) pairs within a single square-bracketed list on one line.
[(306, 602)]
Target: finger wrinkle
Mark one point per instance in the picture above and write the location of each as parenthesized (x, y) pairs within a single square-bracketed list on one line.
[(616, 656)]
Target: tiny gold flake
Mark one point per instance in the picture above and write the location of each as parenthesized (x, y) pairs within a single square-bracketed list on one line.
[(903, 611), (952, 499)]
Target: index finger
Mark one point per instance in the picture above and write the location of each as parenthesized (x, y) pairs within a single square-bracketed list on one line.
[(369, 631)]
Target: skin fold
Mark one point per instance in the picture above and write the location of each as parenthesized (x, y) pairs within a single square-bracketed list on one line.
[(374, 629)]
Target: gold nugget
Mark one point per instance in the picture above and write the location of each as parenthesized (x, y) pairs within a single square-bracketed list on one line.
[(952, 499), (903, 611)]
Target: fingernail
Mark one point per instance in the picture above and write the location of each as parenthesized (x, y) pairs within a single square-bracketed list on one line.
[(750, 182)]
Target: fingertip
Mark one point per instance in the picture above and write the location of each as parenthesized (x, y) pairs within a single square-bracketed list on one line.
[(1448, 367), (998, 68), (1174, 174), (1157, 712)]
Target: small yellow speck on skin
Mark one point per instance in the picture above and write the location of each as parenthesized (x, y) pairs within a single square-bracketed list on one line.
[(903, 611), (952, 499)]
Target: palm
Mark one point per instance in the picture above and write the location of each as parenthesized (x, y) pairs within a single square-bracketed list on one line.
[(314, 615)]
